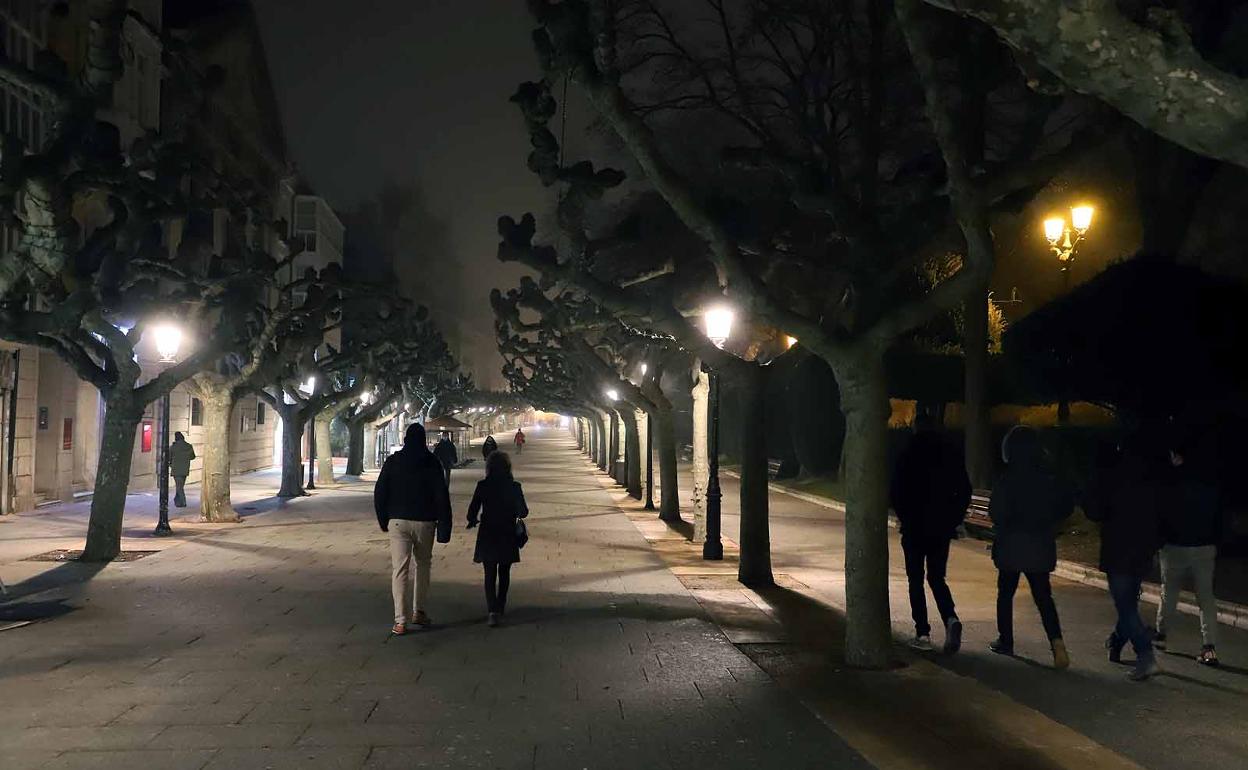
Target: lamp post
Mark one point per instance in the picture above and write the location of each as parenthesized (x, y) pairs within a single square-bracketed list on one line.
[(613, 442), (649, 506), (718, 329), (309, 387), (1063, 241), (168, 340)]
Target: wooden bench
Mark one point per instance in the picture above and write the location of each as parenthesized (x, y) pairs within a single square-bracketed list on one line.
[(773, 468), (977, 513)]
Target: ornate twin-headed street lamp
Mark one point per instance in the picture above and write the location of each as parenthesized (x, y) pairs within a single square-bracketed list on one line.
[(718, 329), (613, 436), (309, 387), (168, 341), (1064, 239), (649, 452)]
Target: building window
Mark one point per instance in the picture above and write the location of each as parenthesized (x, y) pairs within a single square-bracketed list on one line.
[(259, 413), (197, 412), (146, 440)]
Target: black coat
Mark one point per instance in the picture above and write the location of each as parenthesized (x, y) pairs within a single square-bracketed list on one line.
[(1026, 506), (930, 489), (444, 450), (497, 503), (1127, 500), (488, 446), (1193, 512), (412, 485)]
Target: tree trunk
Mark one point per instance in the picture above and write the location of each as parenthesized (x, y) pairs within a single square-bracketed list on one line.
[(978, 427), (355, 447), (864, 398), (214, 498), (112, 478), (603, 441), (292, 456), (632, 453), (755, 567), (701, 461), (371, 434), (613, 448), (324, 450), (665, 439)]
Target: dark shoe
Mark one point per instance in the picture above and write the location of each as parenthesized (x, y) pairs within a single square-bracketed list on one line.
[(953, 636), (1114, 646), (1159, 640), (1208, 656), (1001, 647), (1145, 668), (1061, 658), (922, 643), (492, 620)]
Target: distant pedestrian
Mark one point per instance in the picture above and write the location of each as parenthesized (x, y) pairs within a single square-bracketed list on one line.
[(181, 454), (1125, 502), (446, 453), (1028, 502), (414, 506), (488, 447), (497, 504), (520, 440), (930, 492), (1191, 529)]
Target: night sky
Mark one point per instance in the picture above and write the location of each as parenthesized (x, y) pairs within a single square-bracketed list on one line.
[(414, 90)]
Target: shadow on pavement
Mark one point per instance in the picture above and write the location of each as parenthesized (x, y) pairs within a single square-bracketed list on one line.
[(60, 576)]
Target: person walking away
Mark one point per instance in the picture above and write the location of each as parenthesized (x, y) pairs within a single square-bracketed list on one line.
[(1027, 504), (487, 447), (1125, 502), (520, 439), (181, 453), (1191, 528), (930, 492), (497, 504), (414, 506), (446, 453)]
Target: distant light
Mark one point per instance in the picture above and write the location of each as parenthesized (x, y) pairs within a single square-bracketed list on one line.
[(1081, 217), (309, 386), (613, 395), (406, 407), (790, 341), (1054, 228), (719, 325), (168, 340), (644, 369)]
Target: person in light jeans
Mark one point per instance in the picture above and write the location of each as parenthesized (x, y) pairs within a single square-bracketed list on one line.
[(1191, 531), (412, 504)]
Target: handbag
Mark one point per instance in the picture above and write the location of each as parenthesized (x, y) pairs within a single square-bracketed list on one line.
[(522, 533)]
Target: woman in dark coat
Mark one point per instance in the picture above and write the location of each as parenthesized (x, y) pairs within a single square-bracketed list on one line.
[(497, 504), (488, 447), (1027, 504)]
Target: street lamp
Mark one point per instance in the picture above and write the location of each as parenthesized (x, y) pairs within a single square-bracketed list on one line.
[(168, 340), (1065, 239), (649, 506), (613, 450), (718, 329), (309, 387)]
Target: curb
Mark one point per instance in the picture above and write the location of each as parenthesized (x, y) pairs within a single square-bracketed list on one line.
[(1229, 613)]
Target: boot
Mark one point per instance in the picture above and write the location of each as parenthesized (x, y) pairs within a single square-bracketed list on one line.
[(1061, 658), (1114, 645)]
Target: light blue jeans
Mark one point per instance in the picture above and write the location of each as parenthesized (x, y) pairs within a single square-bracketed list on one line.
[(1176, 562)]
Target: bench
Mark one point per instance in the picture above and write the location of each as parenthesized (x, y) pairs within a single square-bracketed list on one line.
[(977, 512), (773, 468)]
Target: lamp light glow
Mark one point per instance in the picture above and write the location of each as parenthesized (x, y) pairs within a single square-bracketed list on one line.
[(719, 325), (789, 341), (168, 340), (613, 395), (1054, 228), (1081, 217), (644, 368)]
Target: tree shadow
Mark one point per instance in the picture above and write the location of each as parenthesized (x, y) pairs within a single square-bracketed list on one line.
[(66, 574)]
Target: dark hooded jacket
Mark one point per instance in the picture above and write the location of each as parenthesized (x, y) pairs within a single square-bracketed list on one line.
[(930, 488), (446, 453), (1127, 500), (412, 486), (1028, 502), (488, 446)]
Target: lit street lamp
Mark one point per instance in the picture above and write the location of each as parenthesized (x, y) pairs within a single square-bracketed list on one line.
[(718, 329), (309, 387), (614, 437), (649, 506), (1065, 239), (168, 340)]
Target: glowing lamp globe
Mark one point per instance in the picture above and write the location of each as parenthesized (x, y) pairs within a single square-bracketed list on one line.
[(719, 325), (1054, 228), (1081, 217), (168, 340), (613, 395)]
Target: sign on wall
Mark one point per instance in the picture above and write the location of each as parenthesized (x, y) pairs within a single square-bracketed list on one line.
[(146, 440), (43, 418)]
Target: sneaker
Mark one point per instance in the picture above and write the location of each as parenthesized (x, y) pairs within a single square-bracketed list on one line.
[(953, 636), (492, 620), (398, 629), (1159, 640), (420, 621), (1145, 668), (1061, 658), (1114, 645), (922, 643), (1208, 656), (1001, 647)]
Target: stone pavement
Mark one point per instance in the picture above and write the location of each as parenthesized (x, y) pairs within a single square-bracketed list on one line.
[(266, 644), (1191, 717)]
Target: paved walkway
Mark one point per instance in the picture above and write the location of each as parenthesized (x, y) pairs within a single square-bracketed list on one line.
[(1191, 717), (265, 644)]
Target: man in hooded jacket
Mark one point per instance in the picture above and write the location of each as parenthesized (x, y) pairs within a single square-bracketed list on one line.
[(413, 504)]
